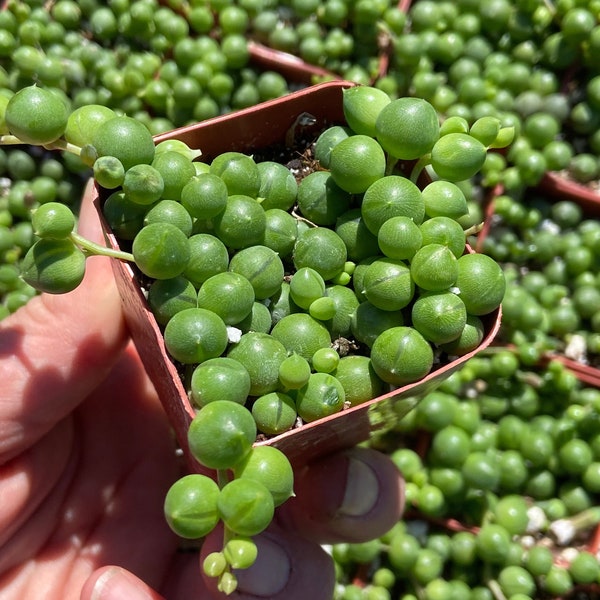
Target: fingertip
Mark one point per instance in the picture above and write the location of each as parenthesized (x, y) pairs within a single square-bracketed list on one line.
[(57, 349), (351, 496), (116, 583), (374, 488)]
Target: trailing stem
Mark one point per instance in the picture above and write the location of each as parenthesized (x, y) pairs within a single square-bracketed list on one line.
[(93, 249), (419, 166)]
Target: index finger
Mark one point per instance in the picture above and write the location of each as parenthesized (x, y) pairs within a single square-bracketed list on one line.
[(57, 348)]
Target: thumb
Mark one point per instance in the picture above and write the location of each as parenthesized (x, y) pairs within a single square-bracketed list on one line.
[(57, 348), (115, 583)]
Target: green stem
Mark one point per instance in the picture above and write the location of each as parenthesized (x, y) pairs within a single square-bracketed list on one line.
[(418, 589), (7, 140), (390, 164), (496, 590), (61, 144), (299, 217), (227, 535), (222, 478), (473, 229), (550, 6), (96, 249), (227, 581), (419, 166)]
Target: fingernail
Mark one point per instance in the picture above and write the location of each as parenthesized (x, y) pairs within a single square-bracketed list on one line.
[(269, 575), (362, 489), (118, 584)]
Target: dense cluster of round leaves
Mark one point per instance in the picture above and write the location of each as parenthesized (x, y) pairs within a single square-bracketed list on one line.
[(525, 63), (228, 270), (553, 303), (502, 472), (391, 285), (239, 310), (347, 38), (245, 504), (513, 61), (161, 63), (31, 180)]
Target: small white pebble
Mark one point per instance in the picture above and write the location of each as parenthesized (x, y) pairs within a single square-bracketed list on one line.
[(563, 531), (233, 334), (537, 519), (549, 225), (5, 183), (471, 392), (569, 554), (527, 541), (576, 348)]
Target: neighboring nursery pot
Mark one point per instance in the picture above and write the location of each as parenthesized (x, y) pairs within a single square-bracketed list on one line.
[(554, 188), (563, 188), (247, 131), (585, 373), (290, 66), (299, 71)]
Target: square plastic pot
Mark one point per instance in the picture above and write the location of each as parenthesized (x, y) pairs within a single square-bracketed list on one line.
[(562, 188), (247, 131), (555, 188), (298, 71), (293, 68)]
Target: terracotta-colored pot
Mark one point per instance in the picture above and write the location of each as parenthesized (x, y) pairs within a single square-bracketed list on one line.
[(586, 374), (555, 188), (589, 375), (298, 71), (246, 131), (293, 68), (488, 214), (562, 188)]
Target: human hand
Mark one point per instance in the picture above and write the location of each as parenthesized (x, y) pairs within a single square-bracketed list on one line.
[(87, 456)]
